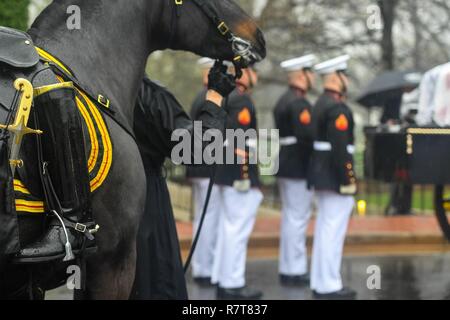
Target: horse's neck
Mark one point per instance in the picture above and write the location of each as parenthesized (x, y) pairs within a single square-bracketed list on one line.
[(108, 54)]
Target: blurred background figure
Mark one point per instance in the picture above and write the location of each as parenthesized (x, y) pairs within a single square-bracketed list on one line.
[(396, 92), (400, 202), (401, 190), (293, 117), (410, 106), (333, 177), (434, 108), (391, 108), (239, 186), (199, 175)]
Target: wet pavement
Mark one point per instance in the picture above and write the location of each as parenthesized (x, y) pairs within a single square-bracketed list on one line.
[(425, 277), (402, 278)]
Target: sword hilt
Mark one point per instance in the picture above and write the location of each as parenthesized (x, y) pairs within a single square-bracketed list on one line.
[(19, 128), (26, 129)]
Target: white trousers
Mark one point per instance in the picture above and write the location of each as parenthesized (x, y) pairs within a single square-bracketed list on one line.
[(235, 226), (296, 202), (333, 214), (202, 260)]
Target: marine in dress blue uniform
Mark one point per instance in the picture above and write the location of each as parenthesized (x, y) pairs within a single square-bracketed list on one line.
[(332, 176), (293, 118), (239, 186)]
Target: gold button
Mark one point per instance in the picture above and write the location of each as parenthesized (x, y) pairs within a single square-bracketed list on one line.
[(245, 168), (353, 180), (349, 166), (351, 173), (245, 175)]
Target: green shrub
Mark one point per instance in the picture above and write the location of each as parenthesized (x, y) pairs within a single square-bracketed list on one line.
[(14, 13)]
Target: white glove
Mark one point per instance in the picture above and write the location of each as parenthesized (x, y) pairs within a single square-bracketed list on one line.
[(350, 189)]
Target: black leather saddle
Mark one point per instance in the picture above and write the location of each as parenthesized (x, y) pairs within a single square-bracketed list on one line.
[(17, 56), (17, 49), (19, 59)]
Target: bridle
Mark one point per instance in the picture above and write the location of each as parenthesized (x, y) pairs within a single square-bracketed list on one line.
[(243, 49)]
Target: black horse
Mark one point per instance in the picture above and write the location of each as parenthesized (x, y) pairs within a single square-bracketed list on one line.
[(108, 55)]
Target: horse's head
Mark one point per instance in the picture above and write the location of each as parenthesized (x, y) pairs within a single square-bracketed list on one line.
[(218, 29)]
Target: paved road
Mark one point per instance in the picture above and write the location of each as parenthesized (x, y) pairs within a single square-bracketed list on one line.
[(402, 277), (408, 277)]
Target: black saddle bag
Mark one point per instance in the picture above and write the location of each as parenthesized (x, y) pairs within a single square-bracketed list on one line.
[(9, 228)]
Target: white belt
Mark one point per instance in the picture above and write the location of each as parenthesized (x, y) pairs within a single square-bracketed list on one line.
[(351, 149), (288, 141), (326, 146), (322, 146), (251, 143)]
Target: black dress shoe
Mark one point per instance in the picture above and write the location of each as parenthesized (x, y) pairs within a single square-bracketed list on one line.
[(52, 246), (244, 293), (294, 281), (343, 294), (203, 281)]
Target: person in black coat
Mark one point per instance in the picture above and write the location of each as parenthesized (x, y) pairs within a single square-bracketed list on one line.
[(400, 201), (159, 269)]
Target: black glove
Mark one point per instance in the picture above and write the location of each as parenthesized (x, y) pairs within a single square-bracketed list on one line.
[(220, 81)]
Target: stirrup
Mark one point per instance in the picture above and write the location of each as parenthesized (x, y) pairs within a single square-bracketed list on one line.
[(68, 253), (79, 227), (68, 247)]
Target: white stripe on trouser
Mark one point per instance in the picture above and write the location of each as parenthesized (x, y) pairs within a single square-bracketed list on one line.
[(235, 226), (296, 202), (333, 214), (203, 258)]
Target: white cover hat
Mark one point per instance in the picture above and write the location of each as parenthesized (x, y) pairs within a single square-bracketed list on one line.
[(299, 63), (205, 63), (333, 65)]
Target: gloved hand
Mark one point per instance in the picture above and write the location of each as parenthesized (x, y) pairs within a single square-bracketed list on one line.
[(220, 81)]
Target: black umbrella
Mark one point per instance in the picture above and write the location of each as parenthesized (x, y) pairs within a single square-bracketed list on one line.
[(388, 84)]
